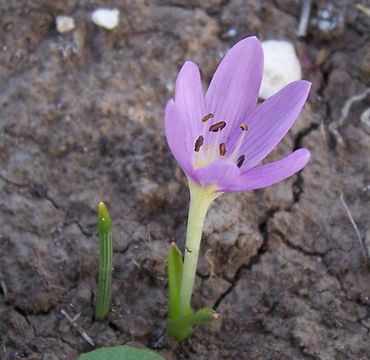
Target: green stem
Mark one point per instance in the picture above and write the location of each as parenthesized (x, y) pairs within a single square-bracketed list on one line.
[(200, 200)]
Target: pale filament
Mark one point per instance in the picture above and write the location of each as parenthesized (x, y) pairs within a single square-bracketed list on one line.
[(235, 154), (206, 152), (215, 147)]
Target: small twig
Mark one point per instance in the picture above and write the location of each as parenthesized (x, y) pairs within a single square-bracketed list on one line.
[(364, 9), (209, 260), (4, 288), (333, 127), (304, 18), (348, 104), (349, 214), (365, 118), (83, 334)]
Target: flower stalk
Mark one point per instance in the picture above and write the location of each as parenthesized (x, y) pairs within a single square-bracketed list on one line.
[(200, 200)]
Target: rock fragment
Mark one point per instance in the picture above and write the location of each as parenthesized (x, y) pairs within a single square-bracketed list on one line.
[(328, 22), (281, 67), (64, 24), (105, 18)]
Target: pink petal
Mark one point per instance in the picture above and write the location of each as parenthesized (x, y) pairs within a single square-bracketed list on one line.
[(219, 173), (272, 120), (266, 175), (177, 137), (189, 98), (233, 92)]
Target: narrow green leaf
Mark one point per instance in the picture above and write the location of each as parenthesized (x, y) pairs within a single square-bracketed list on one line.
[(104, 295), (122, 352), (174, 269), (177, 329), (202, 316), (205, 316)]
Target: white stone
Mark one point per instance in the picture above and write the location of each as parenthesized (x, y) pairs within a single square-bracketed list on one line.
[(365, 119), (64, 24), (106, 18), (281, 67), (232, 32)]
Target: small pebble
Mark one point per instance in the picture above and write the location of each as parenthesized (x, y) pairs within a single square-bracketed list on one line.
[(232, 32), (281, 67), (64, 24), (365, 119), (328, 22), (106, 18)]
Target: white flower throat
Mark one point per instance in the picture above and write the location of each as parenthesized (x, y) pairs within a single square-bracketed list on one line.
[(206, 154)]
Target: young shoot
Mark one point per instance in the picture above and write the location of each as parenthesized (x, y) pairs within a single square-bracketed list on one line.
[(104, 295)]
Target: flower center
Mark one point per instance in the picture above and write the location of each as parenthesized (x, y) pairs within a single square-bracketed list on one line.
[(209, 148)]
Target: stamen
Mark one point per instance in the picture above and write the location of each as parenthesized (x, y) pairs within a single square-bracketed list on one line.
[(239, 143), (222, 149), (218, 126), (240, 161), (198, 143), (207, 117)]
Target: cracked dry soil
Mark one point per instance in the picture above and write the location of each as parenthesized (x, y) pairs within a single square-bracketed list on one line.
[(81, 121)]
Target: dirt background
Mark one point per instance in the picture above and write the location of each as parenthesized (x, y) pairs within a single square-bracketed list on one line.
[(81, 121)]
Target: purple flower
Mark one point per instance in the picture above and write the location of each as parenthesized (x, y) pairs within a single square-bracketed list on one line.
[(221, 138)]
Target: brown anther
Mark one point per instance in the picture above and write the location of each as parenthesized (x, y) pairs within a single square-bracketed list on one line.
[(218, 126), (240, 161), (244, 127), (198, 143), (207, 117), (222, 149)]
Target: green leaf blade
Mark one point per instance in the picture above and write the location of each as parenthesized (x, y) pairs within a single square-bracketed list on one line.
[(202, 316), (175, 267)]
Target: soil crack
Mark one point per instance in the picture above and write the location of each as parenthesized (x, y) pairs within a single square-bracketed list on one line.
[(298, 248), (10, 182), (253, 260)]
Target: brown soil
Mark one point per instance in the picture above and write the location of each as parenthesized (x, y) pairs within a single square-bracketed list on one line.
[(81, 121)]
